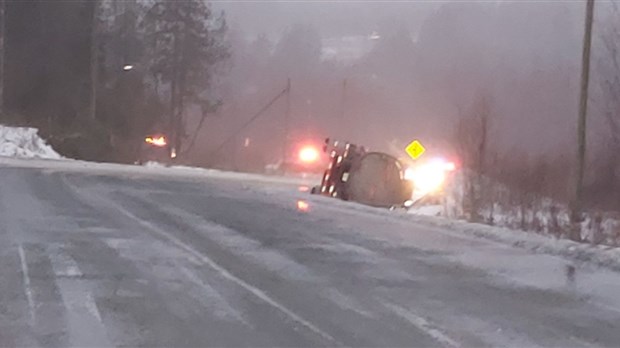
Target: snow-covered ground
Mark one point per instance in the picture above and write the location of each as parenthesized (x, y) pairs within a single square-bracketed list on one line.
[(606, 256), (546, 226), (23, 142), (504, 207)]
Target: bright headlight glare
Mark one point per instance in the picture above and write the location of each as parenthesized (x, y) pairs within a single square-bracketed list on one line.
[(427, 177)]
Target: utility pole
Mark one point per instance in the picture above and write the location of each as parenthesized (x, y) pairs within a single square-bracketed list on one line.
[(251, 120), (581, 124), (2, 53), (343, 106), (94, 61), (287, 115), (174, 95)]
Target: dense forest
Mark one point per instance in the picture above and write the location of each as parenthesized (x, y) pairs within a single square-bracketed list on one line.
[(96, 76)]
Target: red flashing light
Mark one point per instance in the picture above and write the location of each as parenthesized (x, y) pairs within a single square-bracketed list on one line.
[(308, 154)]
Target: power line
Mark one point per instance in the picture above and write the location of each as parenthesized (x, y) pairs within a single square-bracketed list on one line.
[(248, 122)]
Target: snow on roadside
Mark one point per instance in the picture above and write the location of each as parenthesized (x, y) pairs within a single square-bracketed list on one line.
[(427, 210), (23, 142), (529, 212), (606, 256), (153, 164), (599, 255)]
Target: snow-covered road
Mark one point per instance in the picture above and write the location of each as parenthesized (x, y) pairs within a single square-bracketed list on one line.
[(104, 255)]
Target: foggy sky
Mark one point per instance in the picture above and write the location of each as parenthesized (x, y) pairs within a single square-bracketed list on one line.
[(432, 61), (332, 19)]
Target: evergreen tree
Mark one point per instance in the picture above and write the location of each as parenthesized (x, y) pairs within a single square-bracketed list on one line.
[(184, 43)]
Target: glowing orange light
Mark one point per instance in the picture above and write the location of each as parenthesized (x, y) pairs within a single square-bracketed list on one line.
[(303, 206), (308, 154), (303, 188), (158, 141)]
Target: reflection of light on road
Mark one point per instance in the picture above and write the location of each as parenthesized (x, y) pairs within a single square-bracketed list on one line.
[(303, 188), (303, 206)]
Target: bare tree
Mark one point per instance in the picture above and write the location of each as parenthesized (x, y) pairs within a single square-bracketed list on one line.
[(608, 65), (94, 58), (185, 41), (472, 136)]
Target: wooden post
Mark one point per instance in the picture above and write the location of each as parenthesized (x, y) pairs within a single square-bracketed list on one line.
[(2, 53), (94, 61), (287, 111), (581, 124)]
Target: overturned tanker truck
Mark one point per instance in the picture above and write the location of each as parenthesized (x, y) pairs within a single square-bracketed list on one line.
[(356, 174)]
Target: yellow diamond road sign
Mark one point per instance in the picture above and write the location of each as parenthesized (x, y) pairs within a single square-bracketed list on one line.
[(415, 149)]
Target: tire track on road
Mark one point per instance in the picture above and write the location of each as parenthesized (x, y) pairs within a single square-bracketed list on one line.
[(84, 321), (27, 286), (192, 253), (228, 275)]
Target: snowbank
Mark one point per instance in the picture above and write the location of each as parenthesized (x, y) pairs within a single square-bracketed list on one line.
[(22, 142), (534, 213), (606, 256), (427, 210), (538, 224)]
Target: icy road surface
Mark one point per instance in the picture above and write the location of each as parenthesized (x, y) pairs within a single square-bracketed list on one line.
[(103, 255)]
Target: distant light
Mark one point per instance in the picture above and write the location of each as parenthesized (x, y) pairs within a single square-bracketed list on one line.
[(303, 206), (303, 188), (374, 36), (173, 153), (246, 142), (308, 154), (157, 141), (127, 67)]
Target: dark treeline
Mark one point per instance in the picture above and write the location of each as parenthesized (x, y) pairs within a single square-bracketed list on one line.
[(47, 61), (97, 76)]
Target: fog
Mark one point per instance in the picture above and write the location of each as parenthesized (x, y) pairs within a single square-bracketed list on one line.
[(384, 73), (430, 62), (235, 85), (330, 19)]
